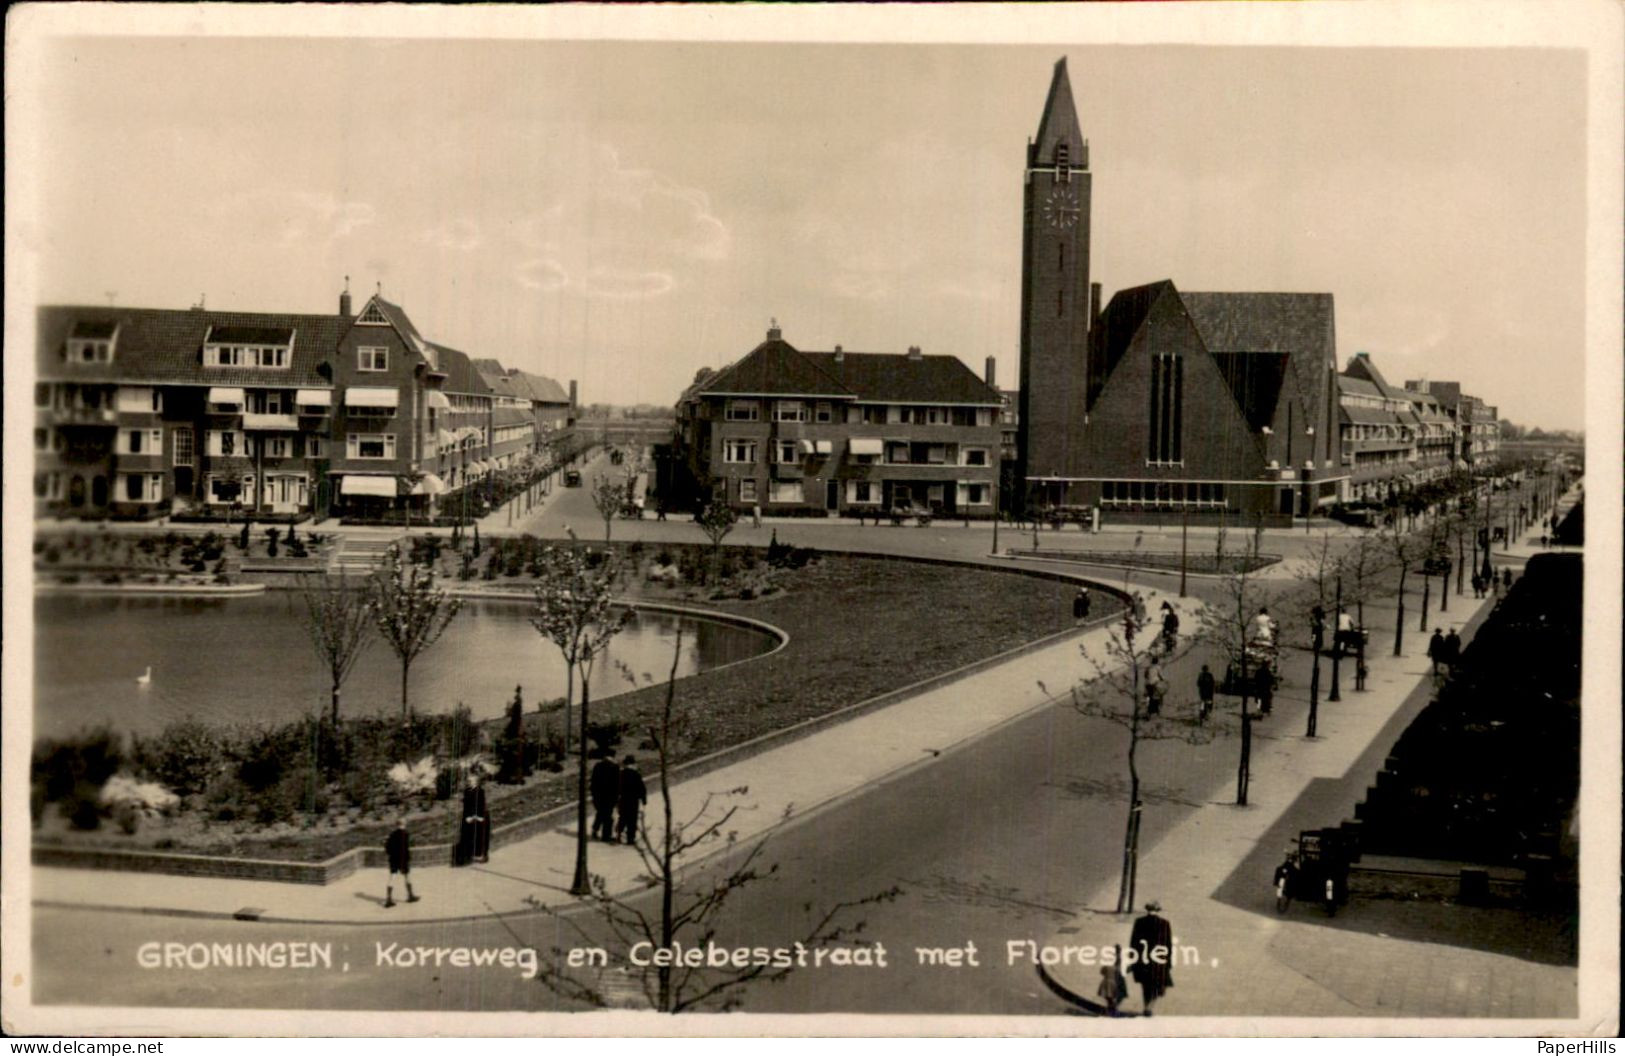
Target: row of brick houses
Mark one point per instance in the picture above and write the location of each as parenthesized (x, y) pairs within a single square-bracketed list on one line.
[(144, 412), (791, 432)]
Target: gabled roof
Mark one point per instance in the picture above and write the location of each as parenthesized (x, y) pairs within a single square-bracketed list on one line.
[(900, 379), (542, 389), (459, 370), (774, 368), (1114, 331), (409, 333), (519, 383), (1357, 387), (1361, 366), (165, 345), (1261, 339)]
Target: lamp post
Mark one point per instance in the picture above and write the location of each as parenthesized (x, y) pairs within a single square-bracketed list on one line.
[(1184, 530)]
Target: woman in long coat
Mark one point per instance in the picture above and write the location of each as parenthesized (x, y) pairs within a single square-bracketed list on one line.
[(474, 830)]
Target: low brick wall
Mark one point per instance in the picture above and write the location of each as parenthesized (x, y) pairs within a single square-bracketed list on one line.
[(198, 864)]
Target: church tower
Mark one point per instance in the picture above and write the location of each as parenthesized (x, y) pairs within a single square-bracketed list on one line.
[(1055, 294)]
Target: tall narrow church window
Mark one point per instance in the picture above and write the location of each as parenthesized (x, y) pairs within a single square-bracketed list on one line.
[(1167, 409), (1060, 260)]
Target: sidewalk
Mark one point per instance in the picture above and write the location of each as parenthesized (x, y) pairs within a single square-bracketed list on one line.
[(1212, 875), (785, 782)]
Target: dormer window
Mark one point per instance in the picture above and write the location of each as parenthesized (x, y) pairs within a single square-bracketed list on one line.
[(92, 342), (254, 347), (373, 315)]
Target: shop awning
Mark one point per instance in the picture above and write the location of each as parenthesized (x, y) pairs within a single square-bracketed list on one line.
[(429, 485), (807, 447), (825, 447), (313, 398), (371, 397), (225, 394), (447, 438), (438, 400), (354, 484), (866, 445)]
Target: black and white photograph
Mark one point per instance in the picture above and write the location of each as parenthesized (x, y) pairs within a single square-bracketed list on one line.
[(994, 520)]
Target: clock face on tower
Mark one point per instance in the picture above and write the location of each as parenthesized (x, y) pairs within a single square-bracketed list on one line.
[(1061, 209)]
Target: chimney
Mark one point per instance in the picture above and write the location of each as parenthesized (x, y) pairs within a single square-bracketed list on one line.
[(989, 373), (914, 353), (840, 354), (572, 395), (773, 331), (1094, 304), (344, 299)]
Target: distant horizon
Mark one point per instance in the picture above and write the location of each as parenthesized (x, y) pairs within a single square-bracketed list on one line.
[(539, 209)]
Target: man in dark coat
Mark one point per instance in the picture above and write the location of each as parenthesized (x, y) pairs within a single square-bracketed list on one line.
[(1436, 649), (1080, 605), (1452, 649), (1204, 691), (605, 785), (1152, 941), (398, 849), (474, 833), (633, 796)]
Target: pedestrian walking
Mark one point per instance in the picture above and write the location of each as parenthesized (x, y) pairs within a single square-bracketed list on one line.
[(1264, 690), (1152, 941), (1436, 649), (474, 831), (1506, 578), (633, 796), (1080, 605), (1155, 686), (1478, 585), (1452, 650), (605, 786), (1170, 626), (398, 849), (1113, 988), (756, 516), (660, 509), (1204, 692)]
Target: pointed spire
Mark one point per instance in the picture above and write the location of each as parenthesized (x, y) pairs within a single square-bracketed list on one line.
[(1058, 126)]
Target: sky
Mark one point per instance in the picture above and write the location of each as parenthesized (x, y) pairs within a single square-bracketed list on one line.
[(626, 213)]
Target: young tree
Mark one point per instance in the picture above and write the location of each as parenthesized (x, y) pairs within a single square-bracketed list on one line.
[(1227, 626), (337, 619), (716, 521), (609, 496), (410, 611), (406, 483), (1117, 693), (690, 905), (572, 610), (1402, 549), (1316, 598)]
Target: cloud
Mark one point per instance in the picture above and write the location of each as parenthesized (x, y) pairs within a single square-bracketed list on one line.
[(677, 218), (460, 234), (619, 285), (288, 218), (545, 275)]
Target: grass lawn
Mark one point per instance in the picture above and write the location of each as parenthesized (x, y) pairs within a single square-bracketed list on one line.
[(858, 627)]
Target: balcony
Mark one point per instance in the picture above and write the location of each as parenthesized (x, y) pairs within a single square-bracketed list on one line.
[(285, 423), (83, 416)]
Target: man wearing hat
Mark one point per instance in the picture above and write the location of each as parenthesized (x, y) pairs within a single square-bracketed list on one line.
[(634, 794), (1152, 941)]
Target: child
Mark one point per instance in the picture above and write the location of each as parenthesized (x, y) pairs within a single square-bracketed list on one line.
[(1113, 987)]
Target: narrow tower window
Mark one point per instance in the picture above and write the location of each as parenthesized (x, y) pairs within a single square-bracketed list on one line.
[(1062, 169), (1061, 260)]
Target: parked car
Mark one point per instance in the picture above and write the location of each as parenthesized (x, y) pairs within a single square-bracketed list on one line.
[(572, 478)]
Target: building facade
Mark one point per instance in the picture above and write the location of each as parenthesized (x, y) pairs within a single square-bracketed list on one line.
[(827, 433), (144, 412)]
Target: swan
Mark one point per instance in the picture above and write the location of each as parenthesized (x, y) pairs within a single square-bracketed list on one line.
[(144, 679)]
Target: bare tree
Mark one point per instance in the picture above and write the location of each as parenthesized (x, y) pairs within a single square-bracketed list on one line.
[(572, 609), (1118, 694), (337, 619), (689, 910), (609, 496), (411, 613), (1226, 625), (1317, 577), (1402, 549)]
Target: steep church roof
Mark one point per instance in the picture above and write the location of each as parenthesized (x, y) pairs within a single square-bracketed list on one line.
[(1259, 339), (1059, 124), (1113, 332)]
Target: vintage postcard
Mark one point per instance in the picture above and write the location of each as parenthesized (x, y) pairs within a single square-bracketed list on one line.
[(962, 520)]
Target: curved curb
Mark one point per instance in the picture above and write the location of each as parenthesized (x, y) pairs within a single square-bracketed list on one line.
[(234, 590)]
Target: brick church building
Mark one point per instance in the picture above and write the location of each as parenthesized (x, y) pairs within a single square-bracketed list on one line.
[(1164, 401)]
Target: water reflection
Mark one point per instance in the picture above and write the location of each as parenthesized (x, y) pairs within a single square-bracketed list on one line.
[(249, 659)]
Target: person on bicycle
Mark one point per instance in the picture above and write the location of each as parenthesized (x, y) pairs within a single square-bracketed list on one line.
[(1286, 872)]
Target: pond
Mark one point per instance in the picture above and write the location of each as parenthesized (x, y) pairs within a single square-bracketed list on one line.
[(250, 659)]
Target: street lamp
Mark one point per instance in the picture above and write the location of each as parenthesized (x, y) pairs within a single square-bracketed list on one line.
[(1337, 643)]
